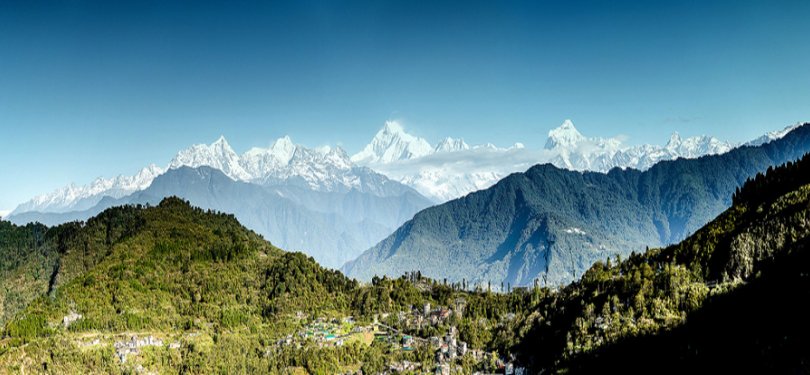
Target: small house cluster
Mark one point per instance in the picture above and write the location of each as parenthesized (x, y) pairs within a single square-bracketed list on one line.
[(133, 345), (325, 332), (448, 347)]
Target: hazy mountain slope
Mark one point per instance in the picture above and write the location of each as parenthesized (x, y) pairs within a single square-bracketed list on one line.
[(551, 224), (333, 227)]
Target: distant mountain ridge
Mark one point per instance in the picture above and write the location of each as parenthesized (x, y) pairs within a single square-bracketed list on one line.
[(572, 150), (550, 224), (73, 197)]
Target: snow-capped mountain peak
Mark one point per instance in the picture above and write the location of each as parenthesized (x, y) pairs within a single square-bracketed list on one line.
[(486, 146), (774, 135), (393, 127), (452, 144), (221, 142), (283, 149), (566, 135), (144, 177), (454, 174), (259, 162), (695, 146), (217, 155), (392, 143), (674, 141)]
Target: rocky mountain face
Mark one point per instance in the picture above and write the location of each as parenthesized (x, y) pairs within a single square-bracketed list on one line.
[(550, 224)]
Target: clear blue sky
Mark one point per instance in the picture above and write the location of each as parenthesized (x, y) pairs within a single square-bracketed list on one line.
[(93, 89)]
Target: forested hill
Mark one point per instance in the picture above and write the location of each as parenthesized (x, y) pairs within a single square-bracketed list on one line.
[(168, 272), (38, 260), (549, 225)]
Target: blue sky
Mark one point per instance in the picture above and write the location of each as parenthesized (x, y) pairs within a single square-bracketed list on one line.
[(101, 88)]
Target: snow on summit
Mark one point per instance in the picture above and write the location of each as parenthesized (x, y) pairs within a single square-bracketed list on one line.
[(390, 144), (217, 155), (566, 135), (323, 168), (451, 144)]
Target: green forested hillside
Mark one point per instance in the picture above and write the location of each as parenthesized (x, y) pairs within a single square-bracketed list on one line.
[(217, 298), (37, 260), (26, 263)]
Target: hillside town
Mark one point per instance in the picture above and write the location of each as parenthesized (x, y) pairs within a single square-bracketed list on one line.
[(399, 330)]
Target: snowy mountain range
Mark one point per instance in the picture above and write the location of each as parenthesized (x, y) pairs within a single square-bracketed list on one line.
[(569, 149), (392, 143), (774, 135), (77, 198), (326, 169), (453, 168), (450, 169)]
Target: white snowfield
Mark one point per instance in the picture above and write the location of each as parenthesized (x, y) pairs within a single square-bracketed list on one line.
[(449, 170)]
